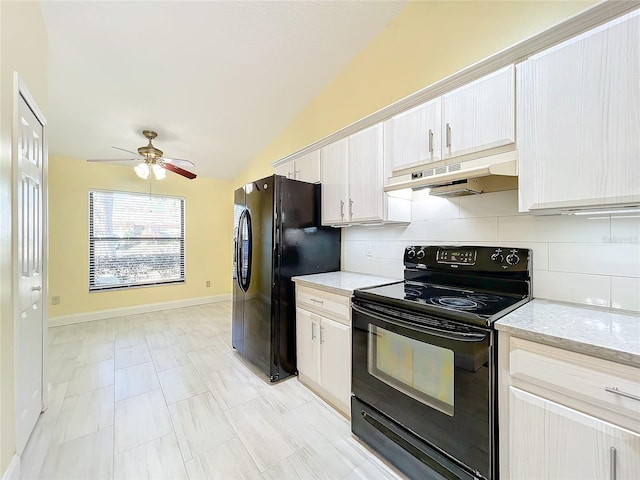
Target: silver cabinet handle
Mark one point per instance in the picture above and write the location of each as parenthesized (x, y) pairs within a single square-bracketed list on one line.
[(36, 289), (314, 300), (342, 208), (430, 141), (313, 331), (321, 334), (622, 393), (448, 135), (612, 466), (350, 209)]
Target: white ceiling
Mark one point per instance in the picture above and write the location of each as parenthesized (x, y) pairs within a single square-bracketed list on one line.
[(216, 79)]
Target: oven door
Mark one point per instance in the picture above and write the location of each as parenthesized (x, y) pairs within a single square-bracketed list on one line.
[(431, 377)]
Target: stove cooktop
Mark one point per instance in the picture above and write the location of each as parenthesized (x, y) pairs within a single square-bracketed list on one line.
[(442, 297), (473, 284)]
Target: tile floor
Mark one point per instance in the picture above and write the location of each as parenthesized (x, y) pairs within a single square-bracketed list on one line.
[(163, 395)]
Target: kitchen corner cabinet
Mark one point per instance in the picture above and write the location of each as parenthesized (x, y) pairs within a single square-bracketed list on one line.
[(305, 168), (323, 344), (475, 117), (558, 420), (579, 120), (353, 172)]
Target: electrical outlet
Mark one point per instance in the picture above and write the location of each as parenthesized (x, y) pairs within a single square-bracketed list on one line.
[(208, 283), (55, 300), (369, 249)]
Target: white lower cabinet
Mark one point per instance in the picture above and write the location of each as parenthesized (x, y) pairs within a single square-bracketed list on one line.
[(566, 415), (323, 345), (551, 441)]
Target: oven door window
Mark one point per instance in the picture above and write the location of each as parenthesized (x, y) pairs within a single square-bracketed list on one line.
[(422, 371)]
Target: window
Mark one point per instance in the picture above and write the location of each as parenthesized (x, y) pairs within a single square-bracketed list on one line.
[(135, 240)]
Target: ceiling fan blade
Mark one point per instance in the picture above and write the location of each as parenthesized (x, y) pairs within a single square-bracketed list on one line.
[(179, 161), (128, 151), (139, 159), (179, 171)]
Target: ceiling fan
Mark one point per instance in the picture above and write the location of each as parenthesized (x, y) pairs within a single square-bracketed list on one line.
[(153, 161)]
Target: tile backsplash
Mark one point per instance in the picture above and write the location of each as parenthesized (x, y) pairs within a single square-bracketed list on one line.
[(581, 259)]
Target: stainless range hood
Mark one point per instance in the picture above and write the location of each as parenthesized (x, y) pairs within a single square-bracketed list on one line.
[(457, 178)]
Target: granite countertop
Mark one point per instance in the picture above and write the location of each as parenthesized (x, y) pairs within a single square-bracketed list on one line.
[(608, 334), (342, 283)]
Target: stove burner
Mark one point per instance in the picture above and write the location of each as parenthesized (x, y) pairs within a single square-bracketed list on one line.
[(412, 292), (456, 303), (484, 297)]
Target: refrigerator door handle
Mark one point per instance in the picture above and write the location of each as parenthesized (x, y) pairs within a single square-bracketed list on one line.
[(245, 281), (238, 250)]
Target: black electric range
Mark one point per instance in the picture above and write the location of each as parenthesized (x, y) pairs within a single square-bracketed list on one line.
[(424, 358)]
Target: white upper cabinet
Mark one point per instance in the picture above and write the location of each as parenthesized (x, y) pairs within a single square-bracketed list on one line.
[(305, 168), (366, 194), (335, 186), (413, 137), (579, 120), (479, 115), (475, 117), (353, 173)]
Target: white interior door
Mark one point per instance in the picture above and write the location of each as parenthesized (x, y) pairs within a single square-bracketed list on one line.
[(29, 273)]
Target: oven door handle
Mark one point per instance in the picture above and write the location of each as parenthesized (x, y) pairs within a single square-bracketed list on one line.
[(451, 335)]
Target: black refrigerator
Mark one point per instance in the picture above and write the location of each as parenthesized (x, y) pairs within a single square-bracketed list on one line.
[(277, 235)]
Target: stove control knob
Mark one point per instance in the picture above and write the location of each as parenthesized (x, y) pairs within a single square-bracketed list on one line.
[(411, 253), (420, 254), (513, 259), (497, 256)]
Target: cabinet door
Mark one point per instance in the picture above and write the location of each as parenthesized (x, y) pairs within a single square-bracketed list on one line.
[(335, 197), (579, 119), (413, 137), (307, 340), (307, 167), (366, 173), (480, 115), (335, 359), (548, 440), (286, 170)]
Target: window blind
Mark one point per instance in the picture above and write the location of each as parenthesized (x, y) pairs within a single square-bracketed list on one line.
[(135, 240)]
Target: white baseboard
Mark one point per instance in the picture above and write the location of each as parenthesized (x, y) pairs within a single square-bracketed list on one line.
[(13, 470), (135, 310)]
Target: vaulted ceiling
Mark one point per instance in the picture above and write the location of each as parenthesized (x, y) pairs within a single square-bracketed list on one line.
[(216, 79)]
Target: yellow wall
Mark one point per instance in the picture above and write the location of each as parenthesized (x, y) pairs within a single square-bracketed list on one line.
[(23, 48), (426, 42), (208, 231)]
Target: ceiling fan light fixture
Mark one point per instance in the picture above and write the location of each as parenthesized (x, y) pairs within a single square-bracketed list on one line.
[(158, 171), (142, 170)]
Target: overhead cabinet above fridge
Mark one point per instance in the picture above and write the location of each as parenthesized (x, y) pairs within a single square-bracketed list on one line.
[(305, 168)]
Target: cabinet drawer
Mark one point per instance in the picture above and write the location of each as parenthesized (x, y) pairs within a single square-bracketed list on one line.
[(586, 383), (326, 303)]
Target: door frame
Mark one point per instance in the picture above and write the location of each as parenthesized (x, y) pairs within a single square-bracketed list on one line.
[(20, 90)]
